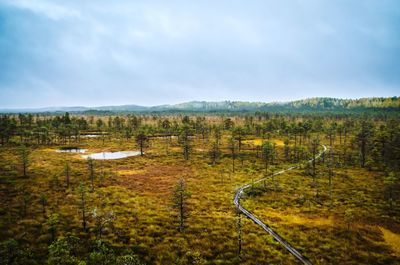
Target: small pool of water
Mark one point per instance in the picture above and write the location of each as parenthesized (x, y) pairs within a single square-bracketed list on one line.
[(112, 155), (91, 135), (71, 150)]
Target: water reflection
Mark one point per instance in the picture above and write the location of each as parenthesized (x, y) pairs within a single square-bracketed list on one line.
[(71, 150), (112, 155)]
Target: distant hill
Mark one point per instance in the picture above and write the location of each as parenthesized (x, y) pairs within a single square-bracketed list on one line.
[(310, 104)]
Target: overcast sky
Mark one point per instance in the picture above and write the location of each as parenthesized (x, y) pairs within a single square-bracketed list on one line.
[(77, 52)]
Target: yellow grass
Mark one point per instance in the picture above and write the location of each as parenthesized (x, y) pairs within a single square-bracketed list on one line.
[(392, 239), (301, 220), (259, 142), (131, 171)]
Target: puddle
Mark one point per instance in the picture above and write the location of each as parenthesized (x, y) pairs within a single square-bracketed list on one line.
[(71, 150), (91, 135), (112, 155)]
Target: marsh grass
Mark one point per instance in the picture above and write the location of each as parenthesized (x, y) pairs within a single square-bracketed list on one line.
[(138, 190)]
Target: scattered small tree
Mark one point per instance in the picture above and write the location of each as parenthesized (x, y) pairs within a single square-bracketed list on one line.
[(11, 252), (349, 217), (314, 149), (128, 259), (214, 153), (239, 231), (286, 148), (26, 199), (391, 181), (52, 223), (101, 254), (24, 153), (82, 204), (67, 171), (184, 140), (141, 140), (61, 253), (91, 172), (268, 152), (43, 202), (363, 139), (232, 148), (102, 219), (180, 197)]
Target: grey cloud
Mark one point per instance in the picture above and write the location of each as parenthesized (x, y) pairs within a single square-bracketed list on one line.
[(154, 52)]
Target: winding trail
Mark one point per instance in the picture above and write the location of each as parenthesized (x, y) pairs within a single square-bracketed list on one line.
[(275, 235)]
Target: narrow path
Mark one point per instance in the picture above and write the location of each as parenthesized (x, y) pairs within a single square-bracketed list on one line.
[(277, 237)]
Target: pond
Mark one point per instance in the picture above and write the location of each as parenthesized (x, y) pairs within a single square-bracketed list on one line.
[(71, 150), (111, 155)]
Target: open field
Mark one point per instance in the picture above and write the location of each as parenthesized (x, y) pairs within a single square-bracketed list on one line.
[(340, 212)]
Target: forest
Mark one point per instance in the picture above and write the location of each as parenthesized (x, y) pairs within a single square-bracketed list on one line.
[(169, 198), (387, 105)]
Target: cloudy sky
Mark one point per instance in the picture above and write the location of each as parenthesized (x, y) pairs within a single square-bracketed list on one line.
[(84, 52)]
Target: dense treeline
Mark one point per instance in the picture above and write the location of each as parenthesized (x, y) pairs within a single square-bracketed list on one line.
[(362, 103), (375, 138), (310, 105), (92, 233)]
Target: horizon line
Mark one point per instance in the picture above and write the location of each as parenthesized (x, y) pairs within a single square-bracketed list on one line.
[(190, 101)]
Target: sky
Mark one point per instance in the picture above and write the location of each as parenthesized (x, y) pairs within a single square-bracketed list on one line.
[(94, 53)]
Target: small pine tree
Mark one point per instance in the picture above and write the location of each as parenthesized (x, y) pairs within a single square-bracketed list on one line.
[(24, 160), (179, 200), (43, 202), (141, 140), (82, 204), (91, 172)]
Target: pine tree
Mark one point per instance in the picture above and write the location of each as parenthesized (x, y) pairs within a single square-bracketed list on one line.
[(180, 197)]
